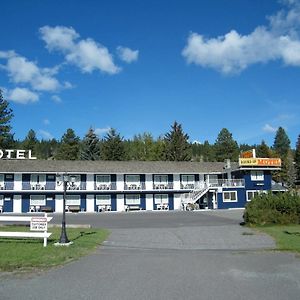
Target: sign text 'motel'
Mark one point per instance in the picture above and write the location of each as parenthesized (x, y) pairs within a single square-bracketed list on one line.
[(15, 154)]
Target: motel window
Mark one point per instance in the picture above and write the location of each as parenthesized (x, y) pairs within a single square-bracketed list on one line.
[(133, 200), (257, 175), (38, 178), (103, 179), (230, 196), (103, 200), (187, 179), (161, 199), (133, 179), (72, 200), (1, 200), (37, 200), (252, 194), (161, 179)]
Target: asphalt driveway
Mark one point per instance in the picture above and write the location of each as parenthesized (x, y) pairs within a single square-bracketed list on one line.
[(168, 255)]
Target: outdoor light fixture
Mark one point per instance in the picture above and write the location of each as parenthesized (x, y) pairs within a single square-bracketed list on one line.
[(64, 179)]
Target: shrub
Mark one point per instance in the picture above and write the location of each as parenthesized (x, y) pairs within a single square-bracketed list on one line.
[(282, 208)]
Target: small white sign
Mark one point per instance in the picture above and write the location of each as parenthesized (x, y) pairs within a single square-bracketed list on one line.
[(38, 224)]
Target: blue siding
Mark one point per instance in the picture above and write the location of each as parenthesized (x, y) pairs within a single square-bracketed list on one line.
[(83, 182), (83, 202), (8, 205), (143, 201), (9, 181), (241, 195), (171, 202), (51, 203), (264, 184), (25, 203), (50, 182), (25, 181)]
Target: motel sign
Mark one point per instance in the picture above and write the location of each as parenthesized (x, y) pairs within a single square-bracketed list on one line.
[(15, 154)]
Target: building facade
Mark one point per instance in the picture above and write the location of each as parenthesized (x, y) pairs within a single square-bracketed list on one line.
[(95, 186)]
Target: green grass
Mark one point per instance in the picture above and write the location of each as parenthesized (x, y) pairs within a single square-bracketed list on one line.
[(287, 237), (27, 254)]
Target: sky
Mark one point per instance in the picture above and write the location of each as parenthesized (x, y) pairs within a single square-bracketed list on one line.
[(137, 66)]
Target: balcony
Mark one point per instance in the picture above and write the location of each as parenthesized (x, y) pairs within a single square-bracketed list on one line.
[(37, 187), (162, 186), (227, 183), (103, 186), (187, 186), (132, 186), (72, 186)]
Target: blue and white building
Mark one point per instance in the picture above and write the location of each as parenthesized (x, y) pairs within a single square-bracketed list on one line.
[(30, 185)]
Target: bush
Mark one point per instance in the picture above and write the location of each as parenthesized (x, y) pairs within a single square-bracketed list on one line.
[(282, 208)]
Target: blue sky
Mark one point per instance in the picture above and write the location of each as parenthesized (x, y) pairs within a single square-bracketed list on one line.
[(139, 65)]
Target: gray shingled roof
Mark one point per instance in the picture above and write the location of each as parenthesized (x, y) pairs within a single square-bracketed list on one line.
[(113, 167)]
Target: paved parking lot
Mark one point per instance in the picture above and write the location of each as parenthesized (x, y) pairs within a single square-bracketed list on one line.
[(168, 255)]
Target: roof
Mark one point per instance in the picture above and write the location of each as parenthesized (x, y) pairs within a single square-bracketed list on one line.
[(277, 187), (112, 167)]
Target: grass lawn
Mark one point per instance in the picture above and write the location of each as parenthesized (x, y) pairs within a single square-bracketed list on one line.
[(287, 237), (26, 254)]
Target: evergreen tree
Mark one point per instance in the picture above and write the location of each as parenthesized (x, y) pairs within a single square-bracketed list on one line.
[(263, 150), (90, 147), (177, 145), (226, 147), (290, 171), (46, 149), (297, 159), (112, 147), (281, 143), (69, 147), (30, 142), (6, 114)]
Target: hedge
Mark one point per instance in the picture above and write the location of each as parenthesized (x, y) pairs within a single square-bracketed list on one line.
[(266, 209)]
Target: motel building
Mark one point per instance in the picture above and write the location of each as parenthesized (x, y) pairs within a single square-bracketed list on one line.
[(31, 185)]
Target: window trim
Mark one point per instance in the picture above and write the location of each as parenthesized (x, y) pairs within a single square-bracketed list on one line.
[(257, 175), (230, 201), (161, 202), (108, 199), (254, 191), (75, 201), (128, 196), (41, 203), (103, 182)]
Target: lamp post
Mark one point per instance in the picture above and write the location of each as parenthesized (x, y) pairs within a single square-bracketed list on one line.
[(63, 240)]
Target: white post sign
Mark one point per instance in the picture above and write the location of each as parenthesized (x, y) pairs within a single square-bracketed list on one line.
[(38, 224)]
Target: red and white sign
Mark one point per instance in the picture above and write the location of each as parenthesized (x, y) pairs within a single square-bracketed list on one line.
[(38, 224)]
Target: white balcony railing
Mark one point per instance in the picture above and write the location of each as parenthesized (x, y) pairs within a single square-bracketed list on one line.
[(38, 186), (132, 186), (103, 186)]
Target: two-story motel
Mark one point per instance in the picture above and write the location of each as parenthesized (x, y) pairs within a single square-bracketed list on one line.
[(30, 185)]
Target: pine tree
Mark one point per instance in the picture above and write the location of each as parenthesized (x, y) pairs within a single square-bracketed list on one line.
[(263, 150), (297, 159), (226, 147), (69, 147), (112, 147), (281, 143), (177, 146), (6, 114), (90, 147), (290, 171), (30, 142)]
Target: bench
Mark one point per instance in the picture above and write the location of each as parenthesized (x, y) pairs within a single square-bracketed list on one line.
[(132, 207), (46, 209), (26, 234), (73, 208)]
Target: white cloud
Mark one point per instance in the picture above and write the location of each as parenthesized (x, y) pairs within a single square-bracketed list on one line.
[(268, 128), (101, 131), (46, 121), (56, 99), (86, 54), (45, 134), (233, 52), (21, 95), (127, 55)]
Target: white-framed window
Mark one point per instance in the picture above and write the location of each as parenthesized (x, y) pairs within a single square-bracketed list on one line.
[(230, 196), (74, 182), (251, 194), (257, 175), (103, 200), (212, 178), (161, 179), (132, 200), (1, 200), (188, 179), (38, 178), (37, 200), (161, 199), (103, 179), (72, 200), (132, 179)]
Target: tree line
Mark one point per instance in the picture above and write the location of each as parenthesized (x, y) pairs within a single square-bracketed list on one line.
[(174, 145)]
